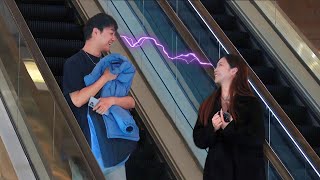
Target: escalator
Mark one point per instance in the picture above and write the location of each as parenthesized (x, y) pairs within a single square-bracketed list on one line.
[(164, 152), (57, 29), (277, 86)]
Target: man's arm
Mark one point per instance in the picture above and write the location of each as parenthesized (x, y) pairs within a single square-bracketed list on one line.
[(104, 104), (126, 102), (79, 98)]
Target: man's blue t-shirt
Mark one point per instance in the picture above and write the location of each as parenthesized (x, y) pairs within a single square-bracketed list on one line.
[(75, 69)]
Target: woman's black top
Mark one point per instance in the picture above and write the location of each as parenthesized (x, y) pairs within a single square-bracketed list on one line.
[(235, 152)]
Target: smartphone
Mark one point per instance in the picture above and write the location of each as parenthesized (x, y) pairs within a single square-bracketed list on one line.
[(93, 102), (226, 117)]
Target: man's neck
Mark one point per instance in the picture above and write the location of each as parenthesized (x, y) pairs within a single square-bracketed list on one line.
[(91, 49)]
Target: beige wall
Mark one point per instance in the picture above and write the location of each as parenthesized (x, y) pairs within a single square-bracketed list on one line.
[(306, 16)]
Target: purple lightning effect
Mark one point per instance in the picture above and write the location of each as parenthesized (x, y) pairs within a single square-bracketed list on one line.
[(188, 58)]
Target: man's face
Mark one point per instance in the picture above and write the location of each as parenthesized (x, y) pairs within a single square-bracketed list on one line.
[(105, 38)]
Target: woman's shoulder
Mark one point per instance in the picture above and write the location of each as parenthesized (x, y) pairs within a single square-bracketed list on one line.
[(247, 99)]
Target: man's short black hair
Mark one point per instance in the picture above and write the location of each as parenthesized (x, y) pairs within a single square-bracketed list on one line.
[(99, 21)]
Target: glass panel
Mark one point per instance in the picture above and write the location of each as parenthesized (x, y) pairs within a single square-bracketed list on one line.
[(271, 172), (208, 43), (37, 109), (191, 77), (279, 140), (284, 147)]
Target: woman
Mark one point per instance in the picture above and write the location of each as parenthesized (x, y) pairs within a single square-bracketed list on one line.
[(235, 147)]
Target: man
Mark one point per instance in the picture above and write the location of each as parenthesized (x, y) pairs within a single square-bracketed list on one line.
[(99, 34)]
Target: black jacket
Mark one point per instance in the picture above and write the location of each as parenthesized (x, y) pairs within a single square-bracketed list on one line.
[(235, 153)]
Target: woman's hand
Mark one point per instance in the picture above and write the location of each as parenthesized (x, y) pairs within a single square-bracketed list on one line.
[(103, 105), (216, 121)]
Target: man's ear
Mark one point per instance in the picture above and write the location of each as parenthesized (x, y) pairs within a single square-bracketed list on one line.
[(95, 31)]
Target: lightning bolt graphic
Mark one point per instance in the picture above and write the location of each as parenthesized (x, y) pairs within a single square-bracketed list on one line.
[(188, 58)]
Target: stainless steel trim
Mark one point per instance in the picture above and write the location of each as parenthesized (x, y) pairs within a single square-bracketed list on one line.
[(15, 165)]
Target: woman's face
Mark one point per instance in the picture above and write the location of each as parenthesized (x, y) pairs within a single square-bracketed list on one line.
[(223, 72)]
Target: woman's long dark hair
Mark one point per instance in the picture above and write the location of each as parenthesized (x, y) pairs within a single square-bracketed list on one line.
[(239, 86)]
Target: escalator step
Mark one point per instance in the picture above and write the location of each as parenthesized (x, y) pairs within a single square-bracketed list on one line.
[(226, 22), (55, 30), (239, 39), (60, 2), (252, 56), (47, 12), (265, 74), (280, 93), (59, 47), (56, 65), (297, 114)]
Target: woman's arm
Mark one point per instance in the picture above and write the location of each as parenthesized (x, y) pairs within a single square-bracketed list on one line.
[(249, 129), (204, 136)]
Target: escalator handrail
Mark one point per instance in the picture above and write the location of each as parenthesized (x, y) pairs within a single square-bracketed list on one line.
[(276, 162), (268, 99), (54, 89), (193, 45)]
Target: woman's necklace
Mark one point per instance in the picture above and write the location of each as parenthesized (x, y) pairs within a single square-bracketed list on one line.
[(227, 99), (90, 58), (225, 103)]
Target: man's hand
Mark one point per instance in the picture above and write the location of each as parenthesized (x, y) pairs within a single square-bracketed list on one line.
[(104, 104), (108, 75)]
